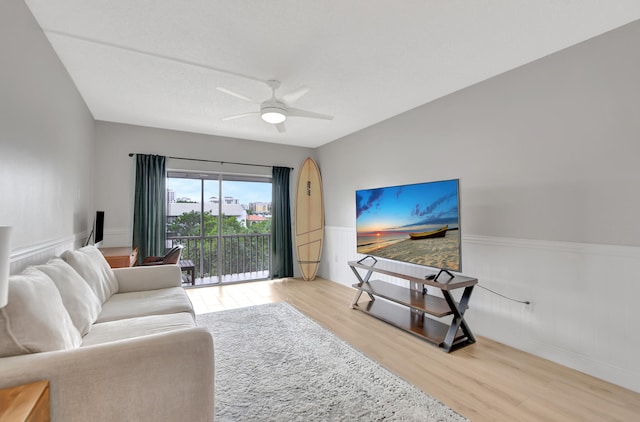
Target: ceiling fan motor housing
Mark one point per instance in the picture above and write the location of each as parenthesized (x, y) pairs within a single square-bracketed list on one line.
[(273, 112)]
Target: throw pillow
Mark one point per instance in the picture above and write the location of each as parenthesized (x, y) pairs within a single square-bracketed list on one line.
[(94, 268), (35, 320), (81, 302)]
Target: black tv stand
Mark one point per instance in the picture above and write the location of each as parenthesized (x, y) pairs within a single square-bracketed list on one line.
[(375, 261), (444, 271), (413, 309)]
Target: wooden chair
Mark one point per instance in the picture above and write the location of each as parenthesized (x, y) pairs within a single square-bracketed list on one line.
[(171, 257)]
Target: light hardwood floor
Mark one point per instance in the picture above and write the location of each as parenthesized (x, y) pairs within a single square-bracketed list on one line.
[(486, 381)]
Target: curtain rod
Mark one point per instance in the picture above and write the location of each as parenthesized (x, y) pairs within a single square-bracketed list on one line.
[(131, 154)]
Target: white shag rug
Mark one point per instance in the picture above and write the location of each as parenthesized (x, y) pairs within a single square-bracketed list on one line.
[(272, 363)]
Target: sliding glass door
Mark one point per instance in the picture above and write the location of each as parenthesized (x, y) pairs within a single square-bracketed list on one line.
[(224, 224)]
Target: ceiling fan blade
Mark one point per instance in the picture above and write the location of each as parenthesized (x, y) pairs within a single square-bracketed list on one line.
[(304, 113), (235, 94), (293, 96), (281, 128), (237, 116)]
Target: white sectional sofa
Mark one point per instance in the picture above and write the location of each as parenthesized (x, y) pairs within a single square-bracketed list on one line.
[(115, 345)]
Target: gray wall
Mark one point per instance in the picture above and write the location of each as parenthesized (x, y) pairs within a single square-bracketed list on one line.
[(547, 151), (46, 138), (548, 157)]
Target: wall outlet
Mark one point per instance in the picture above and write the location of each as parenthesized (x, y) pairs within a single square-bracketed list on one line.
[(529, 306)]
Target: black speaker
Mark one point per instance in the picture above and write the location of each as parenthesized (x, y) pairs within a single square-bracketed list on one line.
[(99, 233)]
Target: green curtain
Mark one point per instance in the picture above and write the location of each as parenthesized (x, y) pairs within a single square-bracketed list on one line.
[(281, 246), (149, 212)]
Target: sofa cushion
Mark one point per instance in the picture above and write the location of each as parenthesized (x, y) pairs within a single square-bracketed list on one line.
[(35, 319), (81, 302), (135, 327), (94, 268), (147, 302)]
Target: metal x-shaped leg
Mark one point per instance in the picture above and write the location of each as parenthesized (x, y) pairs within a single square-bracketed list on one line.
[(458, 321), (361, 281)]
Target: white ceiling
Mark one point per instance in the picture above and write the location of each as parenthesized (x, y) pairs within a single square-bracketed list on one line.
[(157, 63)]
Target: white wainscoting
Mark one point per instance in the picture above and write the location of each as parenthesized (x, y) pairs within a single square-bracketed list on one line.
[(40, 253), (584, 298)]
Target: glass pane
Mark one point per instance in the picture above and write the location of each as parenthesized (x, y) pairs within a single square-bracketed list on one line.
[(246, 228), (246, 207), (183, 207), (183, 216)]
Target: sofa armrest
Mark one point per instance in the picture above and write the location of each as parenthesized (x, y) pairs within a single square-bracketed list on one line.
[(136, 279), (167, 376)]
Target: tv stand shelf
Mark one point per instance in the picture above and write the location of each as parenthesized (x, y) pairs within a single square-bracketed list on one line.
[(407, 308)]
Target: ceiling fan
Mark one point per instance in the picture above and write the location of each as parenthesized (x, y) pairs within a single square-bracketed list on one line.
[(276, 110)]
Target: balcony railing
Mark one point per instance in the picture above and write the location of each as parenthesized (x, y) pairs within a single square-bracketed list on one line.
[(238, 257)]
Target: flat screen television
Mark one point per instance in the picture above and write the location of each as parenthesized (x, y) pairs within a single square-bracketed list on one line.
[(417, 223)]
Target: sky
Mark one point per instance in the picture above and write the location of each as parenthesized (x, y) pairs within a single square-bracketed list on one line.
[(407, 207), (245, 192)]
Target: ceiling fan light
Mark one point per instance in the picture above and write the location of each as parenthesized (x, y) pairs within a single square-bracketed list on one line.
[(273, 116)]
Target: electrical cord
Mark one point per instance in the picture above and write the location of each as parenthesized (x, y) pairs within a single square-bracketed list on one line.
[(526, 302)]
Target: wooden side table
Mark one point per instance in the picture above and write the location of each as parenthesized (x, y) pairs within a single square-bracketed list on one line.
[(27, 402), (121, 256)]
